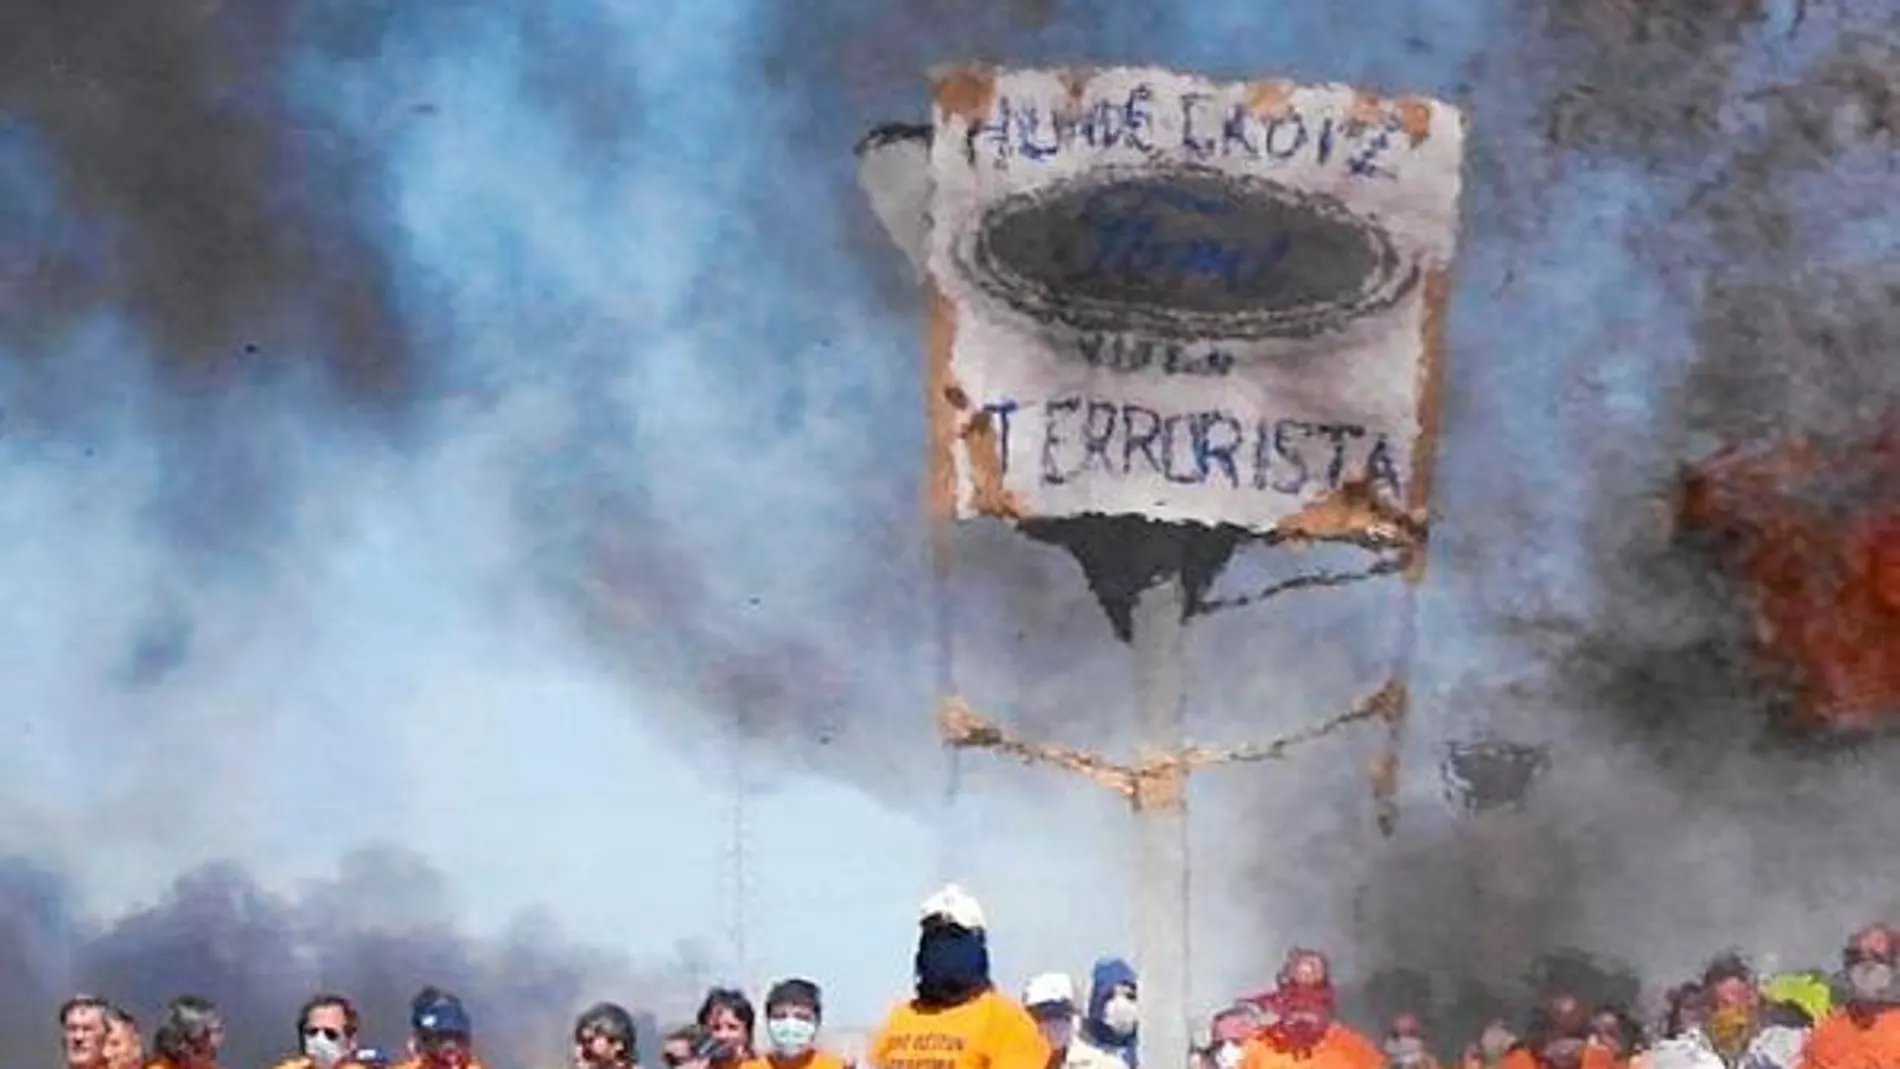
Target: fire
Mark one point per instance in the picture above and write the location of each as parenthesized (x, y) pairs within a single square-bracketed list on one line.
[(1821, 556)]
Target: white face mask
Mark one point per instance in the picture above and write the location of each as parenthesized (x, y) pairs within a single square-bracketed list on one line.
[(1228, 1055), (790, 1036), (1121, 1015), (323, 1051)]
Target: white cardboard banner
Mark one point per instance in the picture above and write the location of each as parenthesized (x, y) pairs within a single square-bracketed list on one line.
[(1189, 300)]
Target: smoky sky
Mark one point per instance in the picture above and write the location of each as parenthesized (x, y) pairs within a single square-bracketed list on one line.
[(251, 259), (379, 929)]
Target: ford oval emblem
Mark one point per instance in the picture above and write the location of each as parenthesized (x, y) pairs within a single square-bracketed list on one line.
[(1186, 253)]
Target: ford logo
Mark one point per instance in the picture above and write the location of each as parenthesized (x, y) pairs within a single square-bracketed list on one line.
[(1185, 253)]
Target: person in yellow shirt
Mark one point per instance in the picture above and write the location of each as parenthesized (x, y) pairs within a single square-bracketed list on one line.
[(793, 1011), (1305, 1033), (956, 1019)]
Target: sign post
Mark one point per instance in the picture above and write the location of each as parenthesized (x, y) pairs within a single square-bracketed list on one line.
[(1169, 315), (1161, 853)]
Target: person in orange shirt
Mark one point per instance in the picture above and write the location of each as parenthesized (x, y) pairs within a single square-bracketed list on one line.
[(793, 1010), (1864, 1033), (1305, 1032), (957, 1019), (1559, 1038)]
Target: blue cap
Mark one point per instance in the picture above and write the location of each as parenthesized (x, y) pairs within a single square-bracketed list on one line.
[(441, 1016)]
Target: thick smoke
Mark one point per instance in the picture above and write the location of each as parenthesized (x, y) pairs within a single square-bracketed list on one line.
[(641, 380), (1684, 188), (1679, 819), (381, 922)]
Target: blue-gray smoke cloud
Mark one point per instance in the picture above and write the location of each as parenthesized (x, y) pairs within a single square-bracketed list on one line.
[(370, 929), (346, 341)]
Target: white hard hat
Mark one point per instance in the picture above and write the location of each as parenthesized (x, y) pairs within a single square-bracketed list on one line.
[(1049, 989), (955, 905)]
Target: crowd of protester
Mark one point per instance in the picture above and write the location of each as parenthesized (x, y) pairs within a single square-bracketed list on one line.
[(956, 1018)]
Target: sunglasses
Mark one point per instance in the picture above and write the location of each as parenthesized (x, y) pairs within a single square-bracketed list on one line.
[(325, 1033)]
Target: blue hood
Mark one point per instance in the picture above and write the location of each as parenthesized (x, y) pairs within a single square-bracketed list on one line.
[(1108, 974)]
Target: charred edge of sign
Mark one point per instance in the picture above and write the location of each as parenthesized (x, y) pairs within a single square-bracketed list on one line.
[(1389, 282), (965, 91), (941, 485), (952, 427), (983, 448), (1431, 406), (1354, 512), (1271, 98), (1414, 113)]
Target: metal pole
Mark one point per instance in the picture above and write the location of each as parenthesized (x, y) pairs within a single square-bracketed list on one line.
[(1161, 872)]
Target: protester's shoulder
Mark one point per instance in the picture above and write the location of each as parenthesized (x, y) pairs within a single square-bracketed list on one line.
[(295, 1061), (1084, 1055), (1352, 1043)]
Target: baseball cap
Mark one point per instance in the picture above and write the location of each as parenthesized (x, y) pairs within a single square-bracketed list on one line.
[(1049, 989), (954, 904), (442, 1015)]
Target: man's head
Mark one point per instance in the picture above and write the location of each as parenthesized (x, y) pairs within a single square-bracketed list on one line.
[(1304, 999), (82, 1025), (1561, 1031), (326, 1029), (1050, 999), (440, 1031), (1615, 1031), (1114, 1006), (1405, 1041), (1236, 1024), (605, 1036), (679, 1049), (124, 1046), (1870, 961), (192, 1033), (727, 1018), (793, 1009), (1732, 1000), (1230, 1030), (953, 956), (1495, 1041)]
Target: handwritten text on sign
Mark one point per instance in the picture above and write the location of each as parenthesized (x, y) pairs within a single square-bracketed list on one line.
[(1185, 299)]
